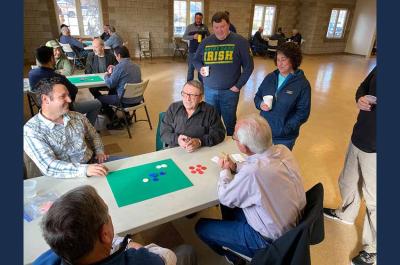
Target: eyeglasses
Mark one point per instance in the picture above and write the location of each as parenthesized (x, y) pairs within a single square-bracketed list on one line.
[(184, 94)]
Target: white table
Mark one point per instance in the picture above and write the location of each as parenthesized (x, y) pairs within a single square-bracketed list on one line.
[(146, 214)]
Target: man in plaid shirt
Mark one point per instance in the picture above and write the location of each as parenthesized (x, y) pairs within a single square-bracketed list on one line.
[(62, 143)]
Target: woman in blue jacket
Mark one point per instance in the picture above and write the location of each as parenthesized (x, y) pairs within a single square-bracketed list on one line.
[(291, 94)]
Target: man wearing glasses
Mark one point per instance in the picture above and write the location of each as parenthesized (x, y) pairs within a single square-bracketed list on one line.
[(191, 123)]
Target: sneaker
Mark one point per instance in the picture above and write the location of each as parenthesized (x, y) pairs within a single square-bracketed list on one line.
[(364, 258), (331, 214), (115, 126)]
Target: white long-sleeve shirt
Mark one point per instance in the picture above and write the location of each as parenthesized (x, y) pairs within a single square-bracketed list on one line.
[(269, 189)]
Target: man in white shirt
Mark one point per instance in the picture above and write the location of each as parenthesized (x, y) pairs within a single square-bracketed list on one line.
[(261, 198)]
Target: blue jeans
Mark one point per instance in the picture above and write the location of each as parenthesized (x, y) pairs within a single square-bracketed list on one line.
[(233, 232), (225, 102), (89, 107), (288, 142), (191, 68)]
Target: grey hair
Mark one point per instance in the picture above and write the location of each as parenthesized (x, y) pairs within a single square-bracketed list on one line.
[(101, 42), (196, 84), (112, 28), (254, 132), (72, 224)]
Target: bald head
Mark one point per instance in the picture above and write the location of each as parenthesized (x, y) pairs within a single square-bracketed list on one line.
[(98, 47)]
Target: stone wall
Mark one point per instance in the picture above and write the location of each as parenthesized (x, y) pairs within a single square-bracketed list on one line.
[(131, 17)]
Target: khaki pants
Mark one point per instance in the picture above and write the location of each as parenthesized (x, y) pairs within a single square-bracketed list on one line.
[(359, 175)]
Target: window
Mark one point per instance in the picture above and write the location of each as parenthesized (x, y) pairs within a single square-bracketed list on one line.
[(264, 16), (184, 11), (337, 23), (82, 16)]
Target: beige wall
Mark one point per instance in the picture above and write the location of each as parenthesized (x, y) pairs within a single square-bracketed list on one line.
[(133, 16), (363, 28)]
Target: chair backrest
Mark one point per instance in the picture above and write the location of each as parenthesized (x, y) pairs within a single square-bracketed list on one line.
[(273, 43), (34, 66), (135, 90), (34, 98), (66, 47), (293, 248), (159, 142)]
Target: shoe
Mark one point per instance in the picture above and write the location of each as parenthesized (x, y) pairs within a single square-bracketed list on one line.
[(115, 126), (364, 258), (122, 121), (331, 214)]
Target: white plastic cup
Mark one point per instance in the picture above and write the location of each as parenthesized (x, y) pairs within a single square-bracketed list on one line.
[(29, 188), (207, 70), (268, 99), (371, 99)]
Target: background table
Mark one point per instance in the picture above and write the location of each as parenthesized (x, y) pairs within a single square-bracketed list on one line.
[(90, 48), (145, 214)]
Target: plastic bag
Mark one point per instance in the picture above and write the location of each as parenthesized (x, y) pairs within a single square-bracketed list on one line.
[(38, 206)]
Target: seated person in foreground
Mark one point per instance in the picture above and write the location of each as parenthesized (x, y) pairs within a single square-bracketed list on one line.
[(63, 65), (46, 62), (79, 230), (60, 142), (261, 198), (192, 123)]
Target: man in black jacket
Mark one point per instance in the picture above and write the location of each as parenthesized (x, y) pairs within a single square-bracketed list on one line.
[(98, 61), (360, 171)]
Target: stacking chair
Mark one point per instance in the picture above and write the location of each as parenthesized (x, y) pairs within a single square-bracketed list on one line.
[(293, 247), (180, 47), (144, 42), (73, 56), (131, 100), (272, 47)]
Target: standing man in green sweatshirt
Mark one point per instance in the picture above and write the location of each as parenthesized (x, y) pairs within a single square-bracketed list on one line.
[(225, 63)]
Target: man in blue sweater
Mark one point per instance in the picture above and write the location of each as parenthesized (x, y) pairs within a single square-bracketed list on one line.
[(79, 230), (225, 62)]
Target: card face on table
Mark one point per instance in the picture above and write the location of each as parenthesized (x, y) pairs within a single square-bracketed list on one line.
[(143, 182)]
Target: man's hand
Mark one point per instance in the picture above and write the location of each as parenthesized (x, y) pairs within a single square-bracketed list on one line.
[(363, 104), (96, 170), (203, 71), (110, 69), (193, 144), (101, 158), (183, 140), (227, 163), (195, 36), (134, 245), (264, 107), (235, 89)]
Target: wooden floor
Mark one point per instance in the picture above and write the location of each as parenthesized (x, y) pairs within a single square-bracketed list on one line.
[(320, 148)]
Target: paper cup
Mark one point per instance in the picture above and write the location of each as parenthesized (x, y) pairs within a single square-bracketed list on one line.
[(29, 188), (268, 99), (371, 99), (207, 70)]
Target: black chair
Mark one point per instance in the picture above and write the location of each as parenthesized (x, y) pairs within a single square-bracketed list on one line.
[(33, 101), (293, 248)]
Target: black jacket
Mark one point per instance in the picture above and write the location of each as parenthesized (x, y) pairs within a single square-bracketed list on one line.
[(92, 62), (364, 131)]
